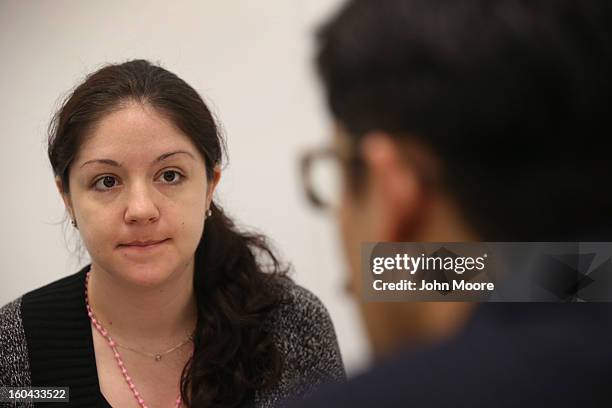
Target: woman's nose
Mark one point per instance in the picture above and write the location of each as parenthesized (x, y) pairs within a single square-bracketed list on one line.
[(141, 206)]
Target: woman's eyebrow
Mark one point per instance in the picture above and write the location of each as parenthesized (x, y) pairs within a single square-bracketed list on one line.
[(117, 164)]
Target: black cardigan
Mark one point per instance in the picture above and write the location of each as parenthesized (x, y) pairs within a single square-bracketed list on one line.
[(59, 339), (46, 340)]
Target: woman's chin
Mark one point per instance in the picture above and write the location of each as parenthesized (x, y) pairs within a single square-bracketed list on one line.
[(147, 275)]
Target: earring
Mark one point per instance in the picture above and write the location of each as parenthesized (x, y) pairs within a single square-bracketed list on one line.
[(208, 213), (74, 223)]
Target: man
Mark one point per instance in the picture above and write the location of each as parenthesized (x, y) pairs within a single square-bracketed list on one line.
[(475, 120)]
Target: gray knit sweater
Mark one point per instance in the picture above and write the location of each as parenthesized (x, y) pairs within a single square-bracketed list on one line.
[(301, 328)]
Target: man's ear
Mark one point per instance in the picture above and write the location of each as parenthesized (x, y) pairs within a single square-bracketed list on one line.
[(397, 186), (212, 185), (65, 196)]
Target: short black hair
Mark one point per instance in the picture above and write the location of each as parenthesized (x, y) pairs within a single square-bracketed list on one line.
[(512, 95)]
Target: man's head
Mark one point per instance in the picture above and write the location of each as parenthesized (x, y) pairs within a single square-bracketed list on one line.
[(471, 120)]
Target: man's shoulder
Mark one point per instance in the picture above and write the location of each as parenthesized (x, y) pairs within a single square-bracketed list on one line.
[(510, 355)]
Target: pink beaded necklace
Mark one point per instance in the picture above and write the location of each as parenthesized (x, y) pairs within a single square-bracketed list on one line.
[(113, 345)]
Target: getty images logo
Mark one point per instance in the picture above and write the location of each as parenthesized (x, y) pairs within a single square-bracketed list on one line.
[(412, 264)]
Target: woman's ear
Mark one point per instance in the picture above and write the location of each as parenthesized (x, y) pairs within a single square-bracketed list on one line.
[(212, 185), (65, 196)]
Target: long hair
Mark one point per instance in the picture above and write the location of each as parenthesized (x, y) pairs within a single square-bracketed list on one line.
[(236, 276)]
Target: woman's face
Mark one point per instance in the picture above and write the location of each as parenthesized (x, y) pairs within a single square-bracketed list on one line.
[(138, 180)]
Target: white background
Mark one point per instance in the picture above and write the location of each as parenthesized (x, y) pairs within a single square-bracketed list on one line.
[(250, 60)]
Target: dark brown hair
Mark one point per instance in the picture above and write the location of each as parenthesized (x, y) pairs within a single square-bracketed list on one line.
[(233, 356), (511, 95)]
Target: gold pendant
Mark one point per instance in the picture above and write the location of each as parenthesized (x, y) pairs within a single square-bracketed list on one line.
[(158, 357)]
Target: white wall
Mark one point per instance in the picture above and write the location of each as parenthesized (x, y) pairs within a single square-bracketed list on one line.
[(251, 60)]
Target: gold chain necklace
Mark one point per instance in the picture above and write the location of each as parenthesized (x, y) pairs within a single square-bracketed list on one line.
[(157, 356)]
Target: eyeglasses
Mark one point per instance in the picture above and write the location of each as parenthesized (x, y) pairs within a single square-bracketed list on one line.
[(326, 173), (323, 176)]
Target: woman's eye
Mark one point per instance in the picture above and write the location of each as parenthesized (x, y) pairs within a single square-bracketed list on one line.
[(171, 177), (105, 183)]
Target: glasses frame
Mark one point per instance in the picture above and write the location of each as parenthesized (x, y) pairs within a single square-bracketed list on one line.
[(352, 161)]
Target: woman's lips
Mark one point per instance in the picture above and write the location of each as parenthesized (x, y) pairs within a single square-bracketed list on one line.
[(143, 246)]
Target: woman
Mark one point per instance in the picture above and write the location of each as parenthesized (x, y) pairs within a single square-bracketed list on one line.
[(177, 308)]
